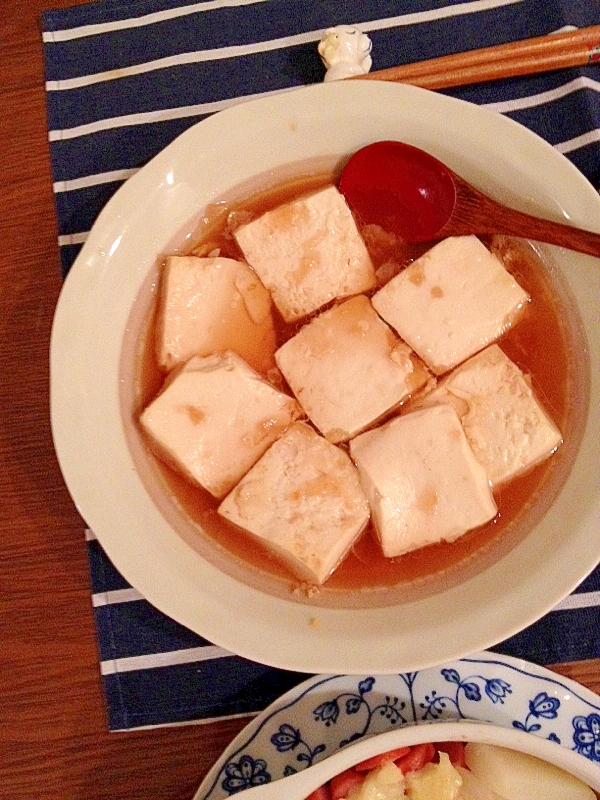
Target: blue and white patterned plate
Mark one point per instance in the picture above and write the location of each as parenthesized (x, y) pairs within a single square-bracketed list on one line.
[(324, 713)]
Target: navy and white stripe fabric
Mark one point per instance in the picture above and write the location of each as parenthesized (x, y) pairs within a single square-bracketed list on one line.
[(124, 78)]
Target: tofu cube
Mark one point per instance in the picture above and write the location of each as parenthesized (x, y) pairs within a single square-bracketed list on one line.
[(348, 369), (422, 480), (508, 429), (307, 253), (209, 305), (452, 302), (303, 500), (214, 419)]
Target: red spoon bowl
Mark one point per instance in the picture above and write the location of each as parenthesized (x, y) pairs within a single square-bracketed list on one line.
[(401, 188), (408, 192)]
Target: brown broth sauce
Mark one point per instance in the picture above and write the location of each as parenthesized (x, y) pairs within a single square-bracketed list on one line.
[(539, 344)]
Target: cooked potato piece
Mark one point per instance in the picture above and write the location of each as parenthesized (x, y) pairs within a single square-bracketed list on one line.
[(515, 775), (434, 782), (384, 783), (475, 789)]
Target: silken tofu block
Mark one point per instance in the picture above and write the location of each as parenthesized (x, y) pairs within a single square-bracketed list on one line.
[(348, 369), (214, 419), (508, 429), (209, 305), (422, 480), (452, 302), (304, 501), (307, 253)]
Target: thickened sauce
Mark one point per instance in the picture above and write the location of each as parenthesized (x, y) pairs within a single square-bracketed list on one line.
[(539, 344)]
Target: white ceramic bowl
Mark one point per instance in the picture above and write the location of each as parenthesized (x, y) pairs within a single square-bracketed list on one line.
[(144, 534)]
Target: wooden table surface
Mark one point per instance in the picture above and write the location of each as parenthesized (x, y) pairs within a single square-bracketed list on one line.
[(54, 741)]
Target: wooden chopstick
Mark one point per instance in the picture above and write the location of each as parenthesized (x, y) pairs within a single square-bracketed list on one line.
[(525, 57)]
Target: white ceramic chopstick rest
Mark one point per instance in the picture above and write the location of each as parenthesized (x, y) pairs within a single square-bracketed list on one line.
[(345, 51)]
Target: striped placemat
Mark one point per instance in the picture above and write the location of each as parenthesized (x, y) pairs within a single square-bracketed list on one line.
[(124, 78)]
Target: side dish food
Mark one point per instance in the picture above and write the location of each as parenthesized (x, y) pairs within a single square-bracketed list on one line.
[(385, 399), (454, 771)]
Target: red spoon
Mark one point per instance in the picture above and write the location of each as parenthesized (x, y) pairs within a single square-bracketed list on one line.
[(409, 192)]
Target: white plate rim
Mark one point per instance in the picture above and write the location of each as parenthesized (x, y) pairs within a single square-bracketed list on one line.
[(97, 465)]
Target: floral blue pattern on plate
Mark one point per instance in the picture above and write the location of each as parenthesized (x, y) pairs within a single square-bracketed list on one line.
[(326, 712)]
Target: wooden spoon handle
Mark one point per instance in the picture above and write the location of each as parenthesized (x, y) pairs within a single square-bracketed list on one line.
[(477, 213)]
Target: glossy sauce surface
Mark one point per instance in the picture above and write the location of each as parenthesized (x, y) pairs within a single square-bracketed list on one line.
[(539, 344)]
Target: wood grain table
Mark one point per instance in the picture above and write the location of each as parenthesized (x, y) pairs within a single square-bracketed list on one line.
[(54, 741)]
